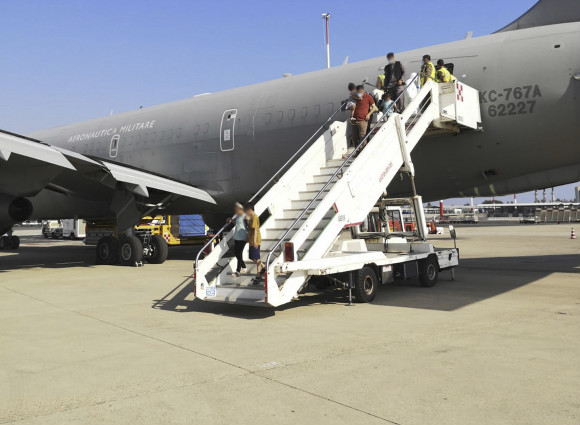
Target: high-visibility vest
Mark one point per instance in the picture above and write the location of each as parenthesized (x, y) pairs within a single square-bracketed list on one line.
[(443, 75), (382, 78), (427, 73)]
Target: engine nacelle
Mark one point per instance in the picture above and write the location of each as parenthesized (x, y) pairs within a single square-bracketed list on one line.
[(12, 211)]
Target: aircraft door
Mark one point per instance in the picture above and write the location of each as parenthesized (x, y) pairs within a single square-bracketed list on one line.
[(227, 130)]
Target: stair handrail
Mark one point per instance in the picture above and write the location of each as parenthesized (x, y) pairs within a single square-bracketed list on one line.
[(274, 176), (356, 149)]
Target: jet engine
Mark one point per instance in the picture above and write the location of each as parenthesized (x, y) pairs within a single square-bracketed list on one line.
[(12, 211)]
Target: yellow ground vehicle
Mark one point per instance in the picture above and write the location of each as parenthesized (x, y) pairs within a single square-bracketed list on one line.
[(175, 230)]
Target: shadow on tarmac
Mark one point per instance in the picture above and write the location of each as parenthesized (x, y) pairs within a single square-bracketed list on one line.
[(34, 253), (476, 279)]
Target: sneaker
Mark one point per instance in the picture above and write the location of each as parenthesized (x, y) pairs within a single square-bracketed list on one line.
[(244, 271), (235, 274)]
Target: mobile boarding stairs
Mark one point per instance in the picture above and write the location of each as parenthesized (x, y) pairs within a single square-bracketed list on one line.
[(327, 187)]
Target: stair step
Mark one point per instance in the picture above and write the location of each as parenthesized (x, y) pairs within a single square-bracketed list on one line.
[(287, 222), (316, 186), (313, 192), (322, 178), (292, 214), (335, 162)]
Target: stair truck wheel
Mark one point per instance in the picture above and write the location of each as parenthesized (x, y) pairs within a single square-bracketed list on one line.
[(130, 251), (107, 250), (428, 271), (159, 250), (3, 242), (366, 285)]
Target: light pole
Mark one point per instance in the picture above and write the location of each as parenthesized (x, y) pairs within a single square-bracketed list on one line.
[(326, 17)]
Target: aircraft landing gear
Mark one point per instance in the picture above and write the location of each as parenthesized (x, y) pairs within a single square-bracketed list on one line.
[(131, 250), (107, 250), (9, 242)]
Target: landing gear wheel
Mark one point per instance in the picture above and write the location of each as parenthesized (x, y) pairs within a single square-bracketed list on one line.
[(130, 251), (428, 271), (107, 250), (159, 250), (366, 285), (3, 242), (13, 242)]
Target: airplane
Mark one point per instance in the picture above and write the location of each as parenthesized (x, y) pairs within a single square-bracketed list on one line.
[(201, 154)]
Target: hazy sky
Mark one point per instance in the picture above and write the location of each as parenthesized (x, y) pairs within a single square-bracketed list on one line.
[(66, 61)]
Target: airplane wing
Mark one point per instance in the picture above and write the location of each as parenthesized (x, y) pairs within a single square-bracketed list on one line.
[(29, 166)]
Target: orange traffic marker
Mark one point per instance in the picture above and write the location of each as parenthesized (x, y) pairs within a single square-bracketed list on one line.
[(572, 234)]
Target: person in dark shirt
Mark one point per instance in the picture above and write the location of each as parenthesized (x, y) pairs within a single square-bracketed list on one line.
[(361, 114), (395, 74)]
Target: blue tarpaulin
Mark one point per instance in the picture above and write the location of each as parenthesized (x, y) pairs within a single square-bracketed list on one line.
[(191, 225)]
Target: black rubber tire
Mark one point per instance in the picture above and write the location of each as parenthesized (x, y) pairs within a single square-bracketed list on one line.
[(45, 235), (3, 242), (159, 250), (428, 271), (366, 285), (14, 242), (130, 251), (107, 250)]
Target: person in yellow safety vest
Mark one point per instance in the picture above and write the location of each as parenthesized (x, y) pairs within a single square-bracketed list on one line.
[(380, 81), (427, 70), (443, 75)]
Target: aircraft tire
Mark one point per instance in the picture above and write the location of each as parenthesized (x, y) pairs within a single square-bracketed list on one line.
[(366, 285), (107, 250), (13, 242), (159, 250), (428, 271), (130, 251)]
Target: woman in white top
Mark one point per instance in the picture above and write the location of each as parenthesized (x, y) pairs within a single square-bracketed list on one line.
[(240, 238)]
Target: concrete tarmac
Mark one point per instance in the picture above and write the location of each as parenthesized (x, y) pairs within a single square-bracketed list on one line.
[(87, 344)]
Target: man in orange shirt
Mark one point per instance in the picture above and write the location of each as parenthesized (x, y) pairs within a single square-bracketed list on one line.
[(361, 114)]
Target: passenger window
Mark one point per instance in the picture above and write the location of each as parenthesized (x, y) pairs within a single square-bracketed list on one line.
[(268, 118), (280, 115), (291, 114), (206, 128), (178, 133), (304, 112), (330, 108), (316, 110)]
